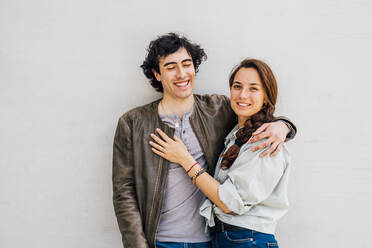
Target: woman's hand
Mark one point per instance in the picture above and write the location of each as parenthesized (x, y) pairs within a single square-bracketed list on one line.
[(171, 149), (275, 132)]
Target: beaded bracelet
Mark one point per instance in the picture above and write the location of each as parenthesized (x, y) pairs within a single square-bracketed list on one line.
[(198, 173)]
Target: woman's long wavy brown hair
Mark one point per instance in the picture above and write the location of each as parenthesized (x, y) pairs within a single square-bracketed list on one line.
[(264, 115)]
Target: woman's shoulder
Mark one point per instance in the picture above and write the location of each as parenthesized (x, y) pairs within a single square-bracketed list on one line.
[(283, 154)]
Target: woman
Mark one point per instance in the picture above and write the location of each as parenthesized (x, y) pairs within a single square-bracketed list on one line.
[(248, 194)]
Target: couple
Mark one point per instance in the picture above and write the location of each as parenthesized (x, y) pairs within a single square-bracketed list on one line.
[(160, 183)]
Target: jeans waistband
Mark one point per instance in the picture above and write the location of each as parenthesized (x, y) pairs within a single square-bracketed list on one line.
[(222, 227)]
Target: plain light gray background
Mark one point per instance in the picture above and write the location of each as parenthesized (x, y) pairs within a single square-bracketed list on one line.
[(69, 69)]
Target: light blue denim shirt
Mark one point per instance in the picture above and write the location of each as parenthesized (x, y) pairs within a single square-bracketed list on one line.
[(253, 188)]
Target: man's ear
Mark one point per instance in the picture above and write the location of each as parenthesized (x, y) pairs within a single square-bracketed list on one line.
[(156, 74)]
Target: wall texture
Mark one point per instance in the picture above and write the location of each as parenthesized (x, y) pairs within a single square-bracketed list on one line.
[(69, 69)]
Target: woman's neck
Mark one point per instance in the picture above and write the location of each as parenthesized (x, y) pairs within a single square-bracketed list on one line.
[(242, 120)]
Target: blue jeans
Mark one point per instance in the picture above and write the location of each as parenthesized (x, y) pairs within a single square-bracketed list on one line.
[(244, 238), (183, 245)]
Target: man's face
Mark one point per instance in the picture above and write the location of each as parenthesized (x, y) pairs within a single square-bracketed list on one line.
[(177, 74)]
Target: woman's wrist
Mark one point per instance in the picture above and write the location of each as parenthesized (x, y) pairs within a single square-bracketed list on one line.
[(187, 162)]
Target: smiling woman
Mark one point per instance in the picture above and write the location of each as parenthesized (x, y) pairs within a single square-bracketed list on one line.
[(246, 94), (248, 193), (253, 93)]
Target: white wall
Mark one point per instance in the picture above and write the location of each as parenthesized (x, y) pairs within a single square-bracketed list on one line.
[(69, 69)]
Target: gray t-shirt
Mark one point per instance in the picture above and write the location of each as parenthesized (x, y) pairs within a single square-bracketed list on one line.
[(180, 220)]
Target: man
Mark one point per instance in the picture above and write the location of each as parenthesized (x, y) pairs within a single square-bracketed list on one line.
[(155, 202)]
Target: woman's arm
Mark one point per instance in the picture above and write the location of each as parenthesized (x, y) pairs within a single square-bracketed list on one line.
[(176, 152), (252, 180)]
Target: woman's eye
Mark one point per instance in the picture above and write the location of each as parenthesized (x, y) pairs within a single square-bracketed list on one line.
[(236, 86), (187, 65), (170, 68), (254, 89)]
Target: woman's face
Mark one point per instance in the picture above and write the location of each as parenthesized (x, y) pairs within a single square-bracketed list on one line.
[(247, 94)]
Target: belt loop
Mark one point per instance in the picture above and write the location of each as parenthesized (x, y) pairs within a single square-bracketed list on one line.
[(222, 226)]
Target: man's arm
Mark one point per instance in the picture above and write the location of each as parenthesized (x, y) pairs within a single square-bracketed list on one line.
[(124, 197), (277, 132), (292, 127)]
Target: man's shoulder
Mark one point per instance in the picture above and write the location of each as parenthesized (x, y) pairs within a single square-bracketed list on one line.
[(141, 112), (212, 99)]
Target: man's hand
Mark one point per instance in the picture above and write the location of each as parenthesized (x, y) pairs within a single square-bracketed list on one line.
[(275, 132)]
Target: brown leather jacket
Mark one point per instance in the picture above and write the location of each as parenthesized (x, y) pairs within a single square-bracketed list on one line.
[(139, 176)]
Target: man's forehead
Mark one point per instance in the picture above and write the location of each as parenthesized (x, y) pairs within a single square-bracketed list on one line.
[(178, 56)]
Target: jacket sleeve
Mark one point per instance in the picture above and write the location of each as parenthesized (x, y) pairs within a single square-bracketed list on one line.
[(292, 127), (124, 197), (251, 180)]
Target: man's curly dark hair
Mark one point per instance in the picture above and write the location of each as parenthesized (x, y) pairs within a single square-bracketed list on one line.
[(165, 45)]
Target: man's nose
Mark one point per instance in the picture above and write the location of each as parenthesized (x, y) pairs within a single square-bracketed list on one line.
[(181, 73)]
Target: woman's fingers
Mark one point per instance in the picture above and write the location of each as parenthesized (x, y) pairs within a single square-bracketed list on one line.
[(158, 140), (177, 139), (158, 153), (156, 146), (164, 136)]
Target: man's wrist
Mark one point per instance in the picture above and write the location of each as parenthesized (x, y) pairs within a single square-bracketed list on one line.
[(287, 125), (291, 132)]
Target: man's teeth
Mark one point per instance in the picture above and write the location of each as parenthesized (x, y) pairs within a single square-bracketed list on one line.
[(182, 84)]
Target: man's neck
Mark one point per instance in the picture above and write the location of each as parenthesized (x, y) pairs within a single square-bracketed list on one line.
[(170, 105)]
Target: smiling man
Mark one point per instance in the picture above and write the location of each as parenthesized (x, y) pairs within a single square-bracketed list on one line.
[(155, 202)]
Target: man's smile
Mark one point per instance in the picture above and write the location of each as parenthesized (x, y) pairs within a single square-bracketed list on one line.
[(182, 84)]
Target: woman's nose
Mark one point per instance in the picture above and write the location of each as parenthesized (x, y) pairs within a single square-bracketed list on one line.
[(244, 93)]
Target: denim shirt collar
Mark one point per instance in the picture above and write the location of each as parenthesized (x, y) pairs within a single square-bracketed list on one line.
[(232, 135)]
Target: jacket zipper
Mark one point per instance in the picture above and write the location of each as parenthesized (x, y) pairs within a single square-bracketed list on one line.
[(155, 227), (158, 182)]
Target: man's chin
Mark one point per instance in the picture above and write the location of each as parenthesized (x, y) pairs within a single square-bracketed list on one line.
[(184, 95)]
